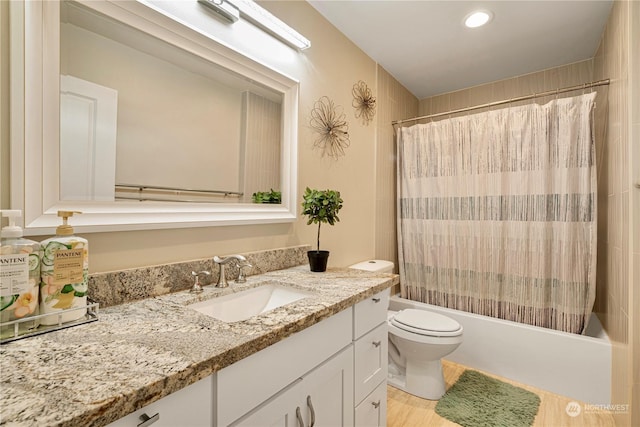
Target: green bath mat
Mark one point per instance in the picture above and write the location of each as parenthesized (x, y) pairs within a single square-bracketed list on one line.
[(477, 400)]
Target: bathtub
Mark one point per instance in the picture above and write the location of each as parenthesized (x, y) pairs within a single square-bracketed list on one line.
[(575, 366)]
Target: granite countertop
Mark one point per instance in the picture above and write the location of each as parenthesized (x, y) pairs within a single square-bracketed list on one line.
[(139, 352)]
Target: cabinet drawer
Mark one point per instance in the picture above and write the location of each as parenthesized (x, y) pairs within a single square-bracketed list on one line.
[(371, 355), (372, 411), (250, 381), (370, 313), (190, 406)]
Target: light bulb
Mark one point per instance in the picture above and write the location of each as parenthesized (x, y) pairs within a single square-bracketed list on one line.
[(477, 19)]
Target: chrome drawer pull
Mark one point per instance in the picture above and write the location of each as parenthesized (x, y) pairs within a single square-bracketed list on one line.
[(376, 300), (313, 412), (377, 343), (147, 420), (299, 417), (376, 404)]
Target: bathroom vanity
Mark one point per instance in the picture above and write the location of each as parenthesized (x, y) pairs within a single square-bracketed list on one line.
[(322, 358)]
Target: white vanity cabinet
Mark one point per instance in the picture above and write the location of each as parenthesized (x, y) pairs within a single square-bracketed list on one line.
[(370, 356), (190, 406), (331, 374)]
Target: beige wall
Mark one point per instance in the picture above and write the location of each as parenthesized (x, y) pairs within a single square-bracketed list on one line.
[(395, 103), (329, 68), (4, 104), (634, 226), (612, 60)]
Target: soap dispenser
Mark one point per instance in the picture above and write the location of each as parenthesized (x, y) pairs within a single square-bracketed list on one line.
[(65, 274), (19, 277)]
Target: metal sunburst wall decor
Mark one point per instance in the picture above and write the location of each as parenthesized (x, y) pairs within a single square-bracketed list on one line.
[(328, 121), (363, 102)]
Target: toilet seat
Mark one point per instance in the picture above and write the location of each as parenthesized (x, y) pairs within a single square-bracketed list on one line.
[(426, 323)]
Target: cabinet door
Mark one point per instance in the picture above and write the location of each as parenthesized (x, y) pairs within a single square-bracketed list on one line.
[(371, 361), (282, 410), (189, 407), (322, 398), (372, 411), (328, 393)]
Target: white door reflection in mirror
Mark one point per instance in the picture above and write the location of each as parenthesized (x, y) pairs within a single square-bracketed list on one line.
[(88, 127)]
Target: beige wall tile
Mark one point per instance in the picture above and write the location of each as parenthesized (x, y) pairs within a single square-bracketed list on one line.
[(440, 103), (598, 63), (482, 94), (504, 89), (530, 84), (635, 327), (635, 405), (459, 99), (424, 107), (569, 75)]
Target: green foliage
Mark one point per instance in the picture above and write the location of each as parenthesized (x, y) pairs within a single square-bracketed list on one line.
[(321, 206), (267, 197)]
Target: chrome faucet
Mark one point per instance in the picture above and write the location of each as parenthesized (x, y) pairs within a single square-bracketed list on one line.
[(239, 260), (197, 286)]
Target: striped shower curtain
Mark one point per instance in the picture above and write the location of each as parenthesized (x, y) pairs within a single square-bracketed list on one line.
[(497, 213)]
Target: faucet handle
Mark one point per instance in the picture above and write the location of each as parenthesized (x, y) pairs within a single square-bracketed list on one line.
[(197, 287), (241, 275)]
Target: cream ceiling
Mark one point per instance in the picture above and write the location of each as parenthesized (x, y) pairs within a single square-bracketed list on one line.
[(426, 47)]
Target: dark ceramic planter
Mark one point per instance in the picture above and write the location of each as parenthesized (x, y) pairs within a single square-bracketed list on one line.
[(318, 260)]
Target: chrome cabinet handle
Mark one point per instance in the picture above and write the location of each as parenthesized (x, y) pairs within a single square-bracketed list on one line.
[(376, 343), (147, 420), (376, 300), (313, 412), (376, 404), (299, 417)]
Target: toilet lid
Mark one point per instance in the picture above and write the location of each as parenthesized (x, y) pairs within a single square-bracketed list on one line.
[(426, 323)]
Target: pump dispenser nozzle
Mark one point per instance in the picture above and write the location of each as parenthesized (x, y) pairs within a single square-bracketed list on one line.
[(65, 229), (11, 230)]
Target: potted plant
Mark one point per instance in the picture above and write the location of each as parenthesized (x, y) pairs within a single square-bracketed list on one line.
[(274, 197), (320, 206)]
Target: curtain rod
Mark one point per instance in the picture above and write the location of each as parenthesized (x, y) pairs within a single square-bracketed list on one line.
[(507, 101)]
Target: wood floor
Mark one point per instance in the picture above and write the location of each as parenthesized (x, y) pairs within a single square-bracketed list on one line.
[(406, 410)]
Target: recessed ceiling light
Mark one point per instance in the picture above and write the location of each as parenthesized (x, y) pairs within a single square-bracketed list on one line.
[(477, 19)]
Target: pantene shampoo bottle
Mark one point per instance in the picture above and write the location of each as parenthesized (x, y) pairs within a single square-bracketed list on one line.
[(19, 277), (65, 272)]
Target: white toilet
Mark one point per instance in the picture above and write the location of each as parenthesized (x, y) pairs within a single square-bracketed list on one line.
[(418, 339)]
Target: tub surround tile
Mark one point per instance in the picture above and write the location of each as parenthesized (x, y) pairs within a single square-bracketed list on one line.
[(118, 287), (141, 351)]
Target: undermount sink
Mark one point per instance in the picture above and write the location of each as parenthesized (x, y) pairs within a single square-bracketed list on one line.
[(251, 302)]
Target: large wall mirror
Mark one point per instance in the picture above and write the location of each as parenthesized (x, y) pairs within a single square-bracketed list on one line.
[(141, 121)]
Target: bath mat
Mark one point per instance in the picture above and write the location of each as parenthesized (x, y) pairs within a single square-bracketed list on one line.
[(476, 400)]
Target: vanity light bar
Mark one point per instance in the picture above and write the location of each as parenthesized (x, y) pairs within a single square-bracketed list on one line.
[(223, 8), (271, 24)]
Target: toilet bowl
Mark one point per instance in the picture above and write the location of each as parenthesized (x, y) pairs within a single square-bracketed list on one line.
[(418, 339)]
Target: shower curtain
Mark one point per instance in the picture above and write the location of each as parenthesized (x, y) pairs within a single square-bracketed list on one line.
[(497, 213)]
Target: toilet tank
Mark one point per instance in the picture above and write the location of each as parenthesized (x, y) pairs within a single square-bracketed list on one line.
[(374, 265)]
